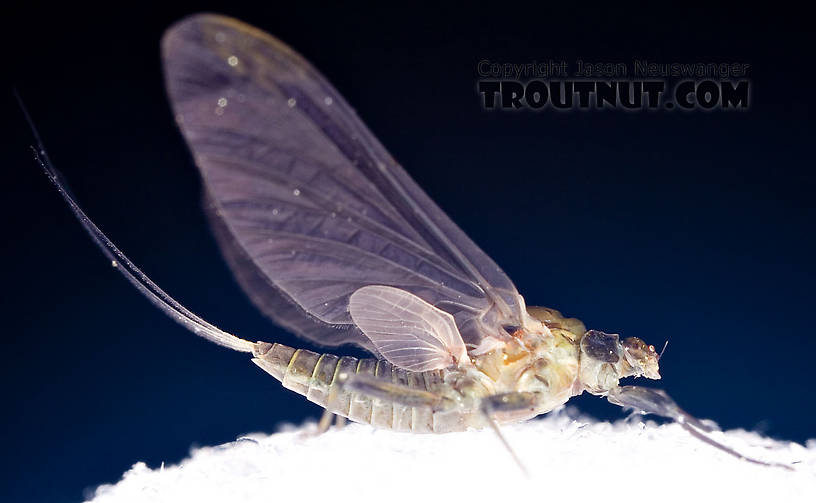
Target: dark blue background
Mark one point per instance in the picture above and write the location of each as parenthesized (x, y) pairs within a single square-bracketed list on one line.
[(693, 227)]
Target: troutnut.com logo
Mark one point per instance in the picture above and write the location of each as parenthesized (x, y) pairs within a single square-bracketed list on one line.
[(638, 85)]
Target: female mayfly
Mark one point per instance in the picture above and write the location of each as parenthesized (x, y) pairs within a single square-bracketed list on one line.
[(333, 240)]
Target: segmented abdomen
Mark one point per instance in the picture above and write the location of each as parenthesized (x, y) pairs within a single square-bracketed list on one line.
[(316, 376)]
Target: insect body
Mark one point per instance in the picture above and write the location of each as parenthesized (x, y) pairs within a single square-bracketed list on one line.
[(439, 400), (332, 239), (538, 370)]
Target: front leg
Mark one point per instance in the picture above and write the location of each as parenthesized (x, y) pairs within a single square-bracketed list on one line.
[(653, 401), (657, 402)]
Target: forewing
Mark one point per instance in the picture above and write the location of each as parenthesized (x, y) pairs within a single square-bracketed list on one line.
[(308, 206)]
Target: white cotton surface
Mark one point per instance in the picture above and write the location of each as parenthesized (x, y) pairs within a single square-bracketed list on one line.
[(569, 461)]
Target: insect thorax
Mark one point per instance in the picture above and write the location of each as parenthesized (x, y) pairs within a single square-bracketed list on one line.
[(542, 357)]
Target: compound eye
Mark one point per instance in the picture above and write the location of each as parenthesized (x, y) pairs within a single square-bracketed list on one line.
[(601, 346)]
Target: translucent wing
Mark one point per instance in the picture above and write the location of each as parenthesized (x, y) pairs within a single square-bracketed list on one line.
[(406, 330), (308, 207)]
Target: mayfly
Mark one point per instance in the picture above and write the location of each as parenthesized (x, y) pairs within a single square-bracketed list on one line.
[(333, 240)]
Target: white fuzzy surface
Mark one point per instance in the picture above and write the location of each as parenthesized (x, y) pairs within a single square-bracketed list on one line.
[(570, 461)]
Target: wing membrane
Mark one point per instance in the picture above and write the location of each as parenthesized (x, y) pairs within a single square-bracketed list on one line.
[(406, 330), (307, 205)]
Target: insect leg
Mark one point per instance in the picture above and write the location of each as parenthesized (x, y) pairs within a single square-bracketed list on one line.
[(396, 393), (657, 402), (508, 402), (516, 401), (326, 418), (654, 401), (325, 421)]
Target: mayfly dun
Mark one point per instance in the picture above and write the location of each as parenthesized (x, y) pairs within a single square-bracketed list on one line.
[(333, 240)]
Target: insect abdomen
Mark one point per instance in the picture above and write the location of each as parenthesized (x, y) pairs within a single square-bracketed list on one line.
[(319, 378)]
